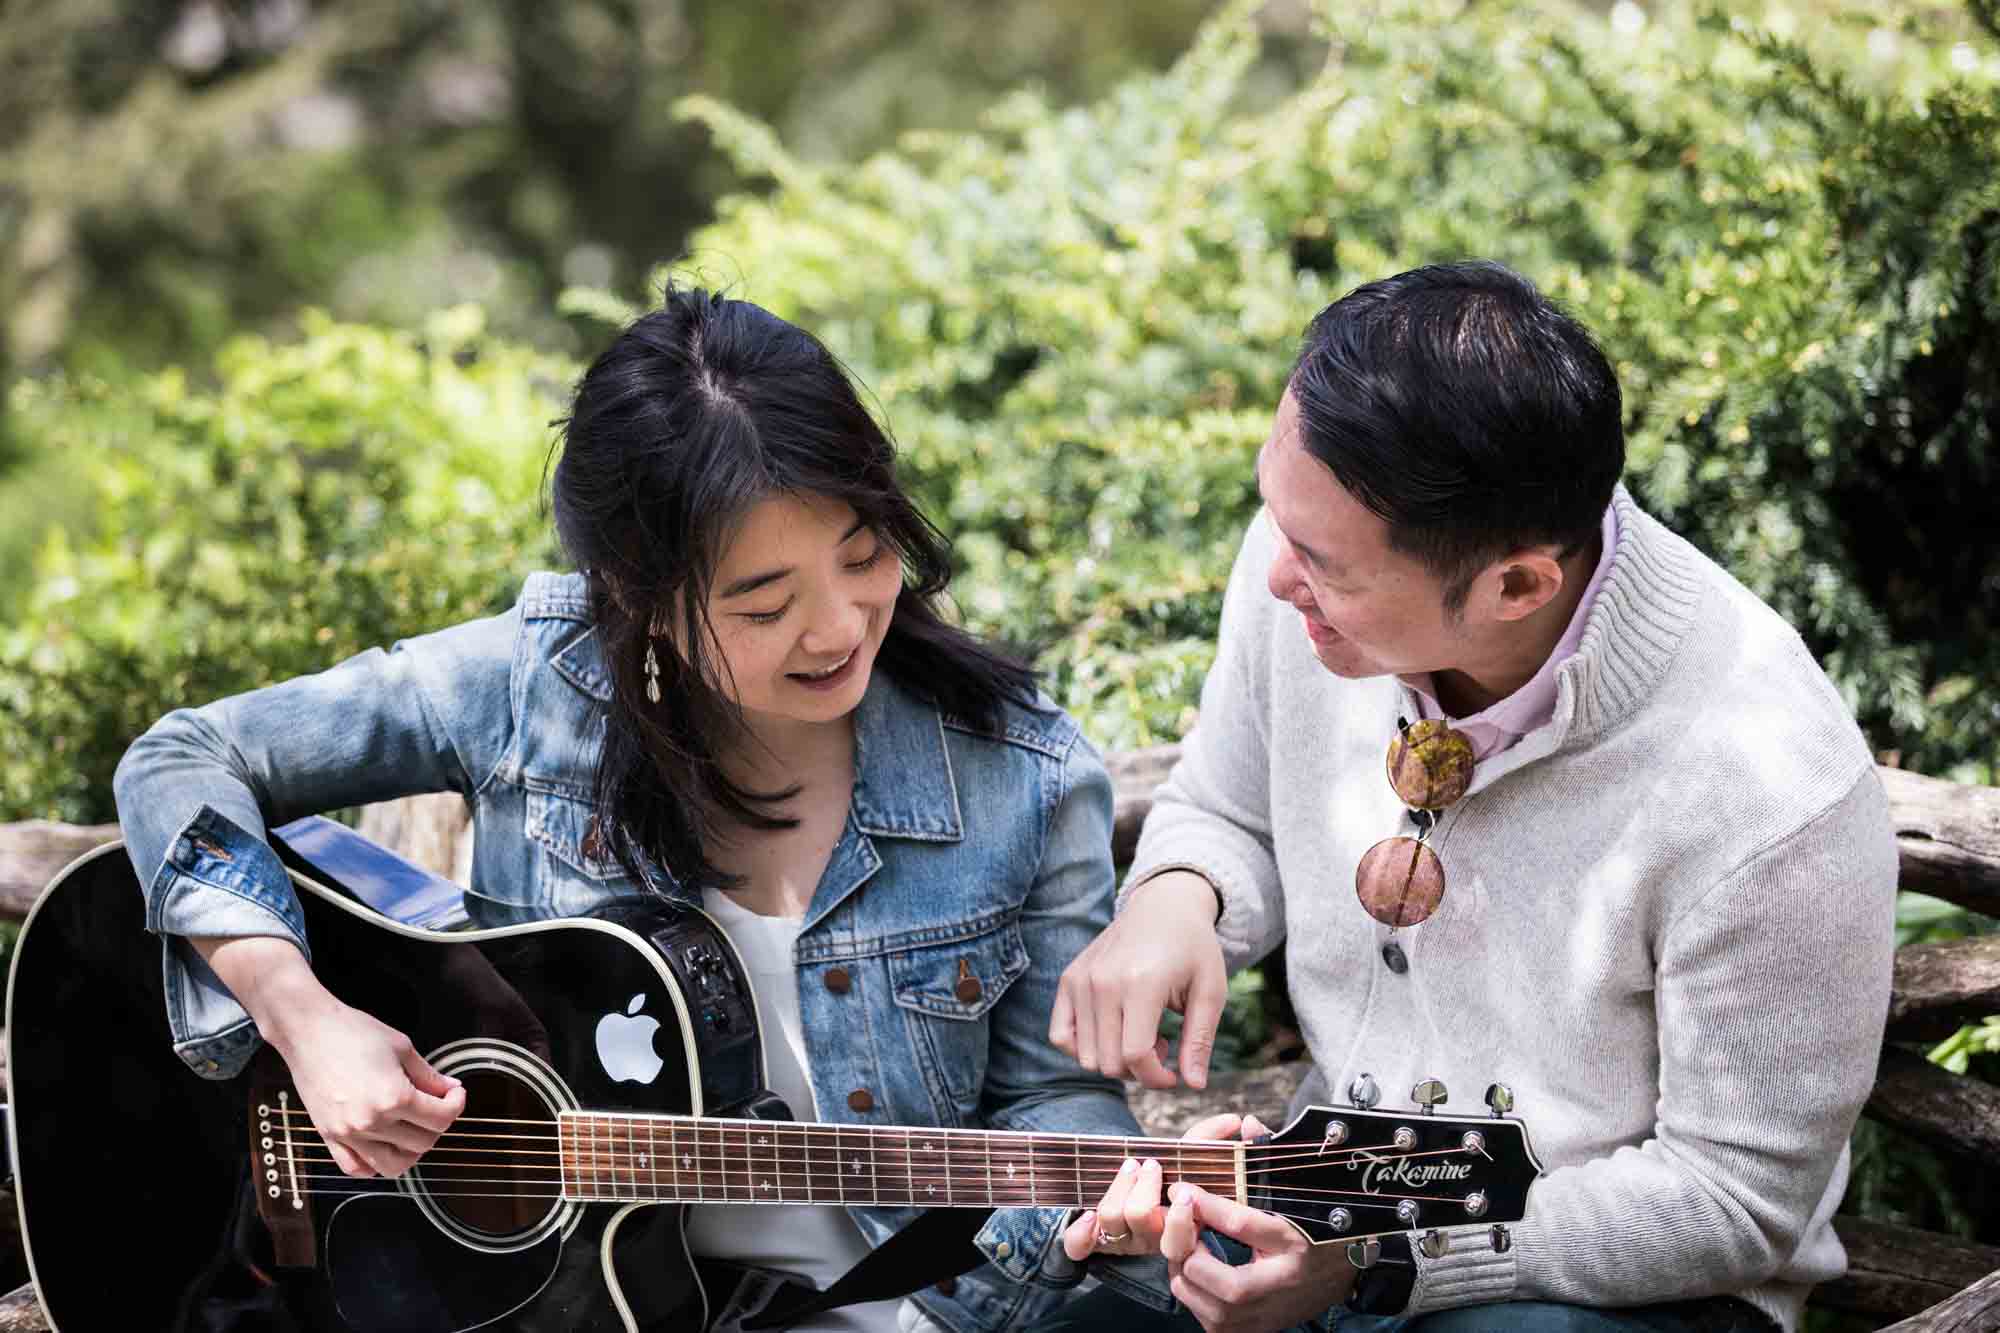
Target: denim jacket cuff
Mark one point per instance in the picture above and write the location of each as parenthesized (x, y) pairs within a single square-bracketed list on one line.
[(1018, 1242), (216, 880)]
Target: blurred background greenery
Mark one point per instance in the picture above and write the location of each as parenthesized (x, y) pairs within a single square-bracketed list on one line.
[(290, 293)]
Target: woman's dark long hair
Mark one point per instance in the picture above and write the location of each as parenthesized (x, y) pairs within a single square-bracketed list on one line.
[(699, 411)]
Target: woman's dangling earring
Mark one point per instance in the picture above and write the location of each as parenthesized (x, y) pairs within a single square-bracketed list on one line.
[(652, 673)]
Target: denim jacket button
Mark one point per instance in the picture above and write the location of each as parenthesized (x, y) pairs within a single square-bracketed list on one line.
[(967, 990), (861, 1100), (1002, 1250), (837, 980)]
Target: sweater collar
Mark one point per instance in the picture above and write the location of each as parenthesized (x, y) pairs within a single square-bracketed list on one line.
[(1642, 617)]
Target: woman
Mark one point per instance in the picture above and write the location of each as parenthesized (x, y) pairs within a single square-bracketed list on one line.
[(748, 702)]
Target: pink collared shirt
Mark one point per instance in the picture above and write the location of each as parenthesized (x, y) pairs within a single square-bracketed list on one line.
[(1500, 724)]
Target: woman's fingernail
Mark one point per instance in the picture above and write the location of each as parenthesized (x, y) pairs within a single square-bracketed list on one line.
[(1131, 1165), (1152, 1164)]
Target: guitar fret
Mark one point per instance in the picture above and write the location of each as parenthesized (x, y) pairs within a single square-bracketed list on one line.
[(764, 1158), (707, 1155), (1076, 1167), (789, 1153), (930, 1166)]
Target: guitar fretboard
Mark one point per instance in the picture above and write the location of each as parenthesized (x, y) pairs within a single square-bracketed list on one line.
[(607, 1157)]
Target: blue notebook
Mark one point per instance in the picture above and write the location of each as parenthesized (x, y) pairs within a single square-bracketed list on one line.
[(364, 869)]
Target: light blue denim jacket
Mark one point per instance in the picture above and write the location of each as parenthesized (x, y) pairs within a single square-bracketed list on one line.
[(990, 847)]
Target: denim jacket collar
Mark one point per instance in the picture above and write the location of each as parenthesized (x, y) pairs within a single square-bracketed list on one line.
[(909, 791)]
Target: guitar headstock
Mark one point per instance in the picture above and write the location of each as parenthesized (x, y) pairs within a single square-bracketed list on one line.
[(1338, 1173)]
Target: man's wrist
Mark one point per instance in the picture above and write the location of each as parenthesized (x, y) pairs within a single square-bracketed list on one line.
[(1180, 882)]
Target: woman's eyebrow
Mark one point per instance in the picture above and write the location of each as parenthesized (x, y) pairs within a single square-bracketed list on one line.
[(752, 582)]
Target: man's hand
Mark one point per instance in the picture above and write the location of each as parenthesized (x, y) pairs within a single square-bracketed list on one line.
[(377, 1103), (1161, 953), (1287, 1281)]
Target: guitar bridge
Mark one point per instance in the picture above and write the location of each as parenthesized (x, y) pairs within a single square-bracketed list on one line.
[(278, 1129)]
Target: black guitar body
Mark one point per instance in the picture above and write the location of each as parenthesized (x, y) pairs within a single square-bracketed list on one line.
[(152, 1199)]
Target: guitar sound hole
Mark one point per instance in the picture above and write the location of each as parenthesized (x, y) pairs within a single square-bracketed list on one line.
[(496, 1171)]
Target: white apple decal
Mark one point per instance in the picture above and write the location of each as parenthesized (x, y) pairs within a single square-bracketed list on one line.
[(625, 1044)]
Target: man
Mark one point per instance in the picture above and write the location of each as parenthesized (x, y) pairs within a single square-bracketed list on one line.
[(1661, 910)]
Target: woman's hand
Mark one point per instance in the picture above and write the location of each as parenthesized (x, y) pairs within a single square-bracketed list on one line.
[(1130, 1217), (378, 1104)]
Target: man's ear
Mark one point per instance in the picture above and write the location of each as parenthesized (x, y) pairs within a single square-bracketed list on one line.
[(1529, 579)]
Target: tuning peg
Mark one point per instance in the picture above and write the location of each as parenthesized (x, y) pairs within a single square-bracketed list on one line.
[(1340, 1219), (1364, 1253), (1429, 1094), (1435, 1244), (1499, 1239), (1363, 1093), (1475, 1203), (1406, 1212), (1501, 1098)]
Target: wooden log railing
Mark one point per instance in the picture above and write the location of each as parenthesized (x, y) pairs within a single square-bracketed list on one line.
[(1948, 837)]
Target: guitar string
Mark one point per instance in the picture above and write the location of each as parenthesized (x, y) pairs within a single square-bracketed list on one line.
[(628, 1157), (359, 1188), (600, 1134), (602, 1176)]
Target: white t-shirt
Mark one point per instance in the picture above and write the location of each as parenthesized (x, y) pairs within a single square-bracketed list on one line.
[(816, 1243)]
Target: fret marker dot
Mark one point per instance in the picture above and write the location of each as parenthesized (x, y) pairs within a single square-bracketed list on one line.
[(1010, 1170), (931, 1189), (687, 1159), (857, 1165)]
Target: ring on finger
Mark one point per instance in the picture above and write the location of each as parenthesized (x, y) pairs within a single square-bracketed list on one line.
[(1105, 1238)]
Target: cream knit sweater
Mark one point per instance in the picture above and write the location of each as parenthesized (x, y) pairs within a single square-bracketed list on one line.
[(1667, 926)]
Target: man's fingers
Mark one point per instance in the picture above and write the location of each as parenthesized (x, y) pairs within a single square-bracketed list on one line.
[(1199, 1303), (1108, 1002), (1141, 1044), (1202, 1016), (1062, 1017), (1223, 1126), (1258, 1230)]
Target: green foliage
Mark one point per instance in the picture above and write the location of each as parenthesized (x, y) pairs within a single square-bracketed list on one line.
[(1079, 322), (342, 491)]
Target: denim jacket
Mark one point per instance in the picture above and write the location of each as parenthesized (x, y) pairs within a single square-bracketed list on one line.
[(964, 846)]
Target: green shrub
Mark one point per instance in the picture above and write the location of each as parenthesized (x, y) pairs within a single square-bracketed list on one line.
[(351, 488), (1079, 322)]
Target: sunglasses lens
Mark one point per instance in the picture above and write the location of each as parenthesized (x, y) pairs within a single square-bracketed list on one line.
[(1430, 765), (1400, 882)]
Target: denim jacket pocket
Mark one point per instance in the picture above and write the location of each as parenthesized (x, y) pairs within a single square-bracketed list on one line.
[(945, 992), (577, 870)]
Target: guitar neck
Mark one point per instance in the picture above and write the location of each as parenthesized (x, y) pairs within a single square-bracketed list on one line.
[(619, 1157)]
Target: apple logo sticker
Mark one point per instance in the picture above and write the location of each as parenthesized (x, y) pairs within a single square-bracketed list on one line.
[(625, 1044)]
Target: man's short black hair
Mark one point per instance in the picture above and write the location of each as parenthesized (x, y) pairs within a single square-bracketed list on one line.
[(1465, 408)]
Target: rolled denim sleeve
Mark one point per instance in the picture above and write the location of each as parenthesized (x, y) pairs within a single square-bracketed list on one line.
[(198, 791), (1032, 1086)]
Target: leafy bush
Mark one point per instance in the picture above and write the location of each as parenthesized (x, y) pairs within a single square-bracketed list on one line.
[(1079, 322), (346, 490)]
